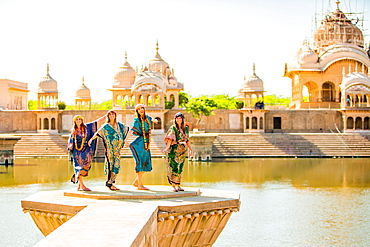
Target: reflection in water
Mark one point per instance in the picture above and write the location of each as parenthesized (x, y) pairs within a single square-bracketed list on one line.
[(285, 202)]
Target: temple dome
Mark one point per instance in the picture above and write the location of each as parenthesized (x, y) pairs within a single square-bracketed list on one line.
[(157, 64), (336, 29), (83, 92), (125, 77), (253, 83), (307, 55), (47, 84)]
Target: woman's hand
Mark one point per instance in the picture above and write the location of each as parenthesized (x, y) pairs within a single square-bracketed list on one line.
[(191, 153), (89, 142)]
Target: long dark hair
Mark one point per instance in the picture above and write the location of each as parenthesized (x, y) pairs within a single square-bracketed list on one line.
[(107, 120), (75, 127), (179, 114), (137, 108)]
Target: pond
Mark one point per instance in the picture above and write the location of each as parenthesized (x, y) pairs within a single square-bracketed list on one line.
[(285, 202)]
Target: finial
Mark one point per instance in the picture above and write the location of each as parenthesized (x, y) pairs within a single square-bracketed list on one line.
[(47, 68), (337, 2), (83, 80), (157, 46), (125, 56), (254, 69)]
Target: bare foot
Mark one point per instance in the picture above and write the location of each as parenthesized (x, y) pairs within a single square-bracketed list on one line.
[(142, 188), (179, 188), (135, 183)]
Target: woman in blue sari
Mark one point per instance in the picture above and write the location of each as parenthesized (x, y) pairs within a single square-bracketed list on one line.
[(113, 134), (140, 147), (82, 153)]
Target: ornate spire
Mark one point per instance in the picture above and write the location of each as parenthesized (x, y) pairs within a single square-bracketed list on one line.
[(337, 3), (125, 56), (47, 69), (83, 80), (157, 48), (254, 69)]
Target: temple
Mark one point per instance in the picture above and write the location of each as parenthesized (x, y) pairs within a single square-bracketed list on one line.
[(329, 80)]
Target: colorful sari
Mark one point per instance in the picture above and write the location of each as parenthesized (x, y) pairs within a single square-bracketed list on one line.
[(140, 147), (176, 156), (114, 140), (81, 152)]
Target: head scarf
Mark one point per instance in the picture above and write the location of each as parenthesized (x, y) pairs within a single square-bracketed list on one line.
[(179, 114)]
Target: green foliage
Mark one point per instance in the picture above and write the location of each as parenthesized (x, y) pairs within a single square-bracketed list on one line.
[(103, 105), (183, 99), (201, 106), (273, 99), (239, 104), (61, 105), (32, 105), (224, 101), (169, 104)]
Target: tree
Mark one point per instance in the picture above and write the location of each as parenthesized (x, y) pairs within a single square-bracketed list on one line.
[(32, 105), (183, 99), (61, 105), (201, 106), (169, 104), (224, 101), (273, 99)]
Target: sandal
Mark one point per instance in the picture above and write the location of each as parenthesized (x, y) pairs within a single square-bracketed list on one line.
[(111, 186), (73, 179), (86, 189)]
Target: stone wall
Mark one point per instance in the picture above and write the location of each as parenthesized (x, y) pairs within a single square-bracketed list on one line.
[(304, 121), (18, 121), (223, 121)]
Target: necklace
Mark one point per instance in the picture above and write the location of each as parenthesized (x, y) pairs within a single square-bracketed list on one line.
[(82, 142), (146, 141)]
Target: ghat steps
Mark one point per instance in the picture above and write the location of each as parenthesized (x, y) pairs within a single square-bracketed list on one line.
[(41, 145), (300, 145), (225, 145)]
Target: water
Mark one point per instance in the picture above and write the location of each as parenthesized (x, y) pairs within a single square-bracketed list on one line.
[(285, 202)]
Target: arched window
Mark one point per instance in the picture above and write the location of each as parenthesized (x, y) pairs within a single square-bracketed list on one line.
[(46, 124), (254, 123), (328, 92), (358, 123), (350, 123), (53, 124), (261, 122), (159, 124), (366, 123), (247, 122), (149, 100)]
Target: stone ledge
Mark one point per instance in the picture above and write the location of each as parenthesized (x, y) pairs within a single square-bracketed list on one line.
[(132, 222)]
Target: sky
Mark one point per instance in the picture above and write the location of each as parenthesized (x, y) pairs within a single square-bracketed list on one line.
[(210, 44)]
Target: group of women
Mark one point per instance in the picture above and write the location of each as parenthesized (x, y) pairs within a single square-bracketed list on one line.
[(82, 143)]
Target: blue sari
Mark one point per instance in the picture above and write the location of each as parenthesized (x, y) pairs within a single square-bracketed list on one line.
[(140, 147), (82, 158), (114, 140)]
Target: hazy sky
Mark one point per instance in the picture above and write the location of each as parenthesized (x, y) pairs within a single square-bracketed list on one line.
[(211, 44)]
